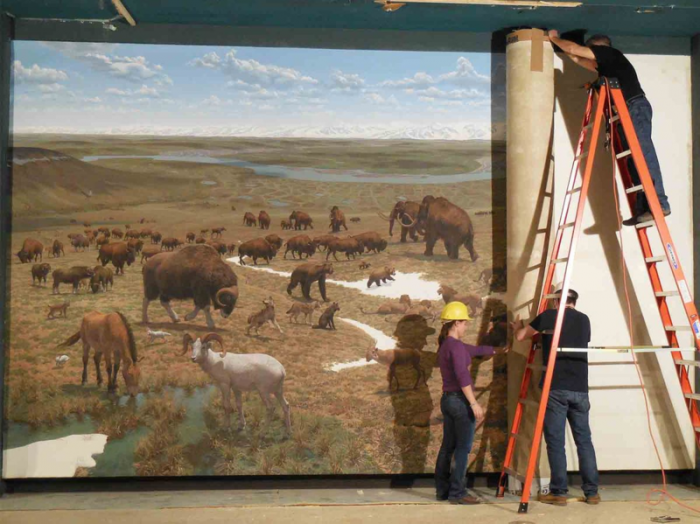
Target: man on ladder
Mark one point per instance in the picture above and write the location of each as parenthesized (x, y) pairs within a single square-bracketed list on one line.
[(568, 398), (598, 55)]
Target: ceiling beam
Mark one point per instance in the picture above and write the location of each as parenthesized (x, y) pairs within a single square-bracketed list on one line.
[(124, 12)]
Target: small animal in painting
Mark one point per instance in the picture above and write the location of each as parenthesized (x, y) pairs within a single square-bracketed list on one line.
[(157, 335), (59, 309), (326, 320)]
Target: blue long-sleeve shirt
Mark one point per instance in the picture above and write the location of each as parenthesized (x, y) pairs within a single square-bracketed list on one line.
[(454, 359)]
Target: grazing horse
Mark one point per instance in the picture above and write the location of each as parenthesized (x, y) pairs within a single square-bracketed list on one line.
[(111, 335)]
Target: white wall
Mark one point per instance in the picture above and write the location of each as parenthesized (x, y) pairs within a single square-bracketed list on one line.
[(618, 416)]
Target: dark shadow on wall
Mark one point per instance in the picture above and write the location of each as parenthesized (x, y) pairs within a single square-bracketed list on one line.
[(571, 100), (498, 160)]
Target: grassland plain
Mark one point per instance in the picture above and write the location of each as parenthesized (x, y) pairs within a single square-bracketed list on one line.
[(346, 422)]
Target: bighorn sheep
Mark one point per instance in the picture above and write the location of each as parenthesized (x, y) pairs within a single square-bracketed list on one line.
[(238, 373)]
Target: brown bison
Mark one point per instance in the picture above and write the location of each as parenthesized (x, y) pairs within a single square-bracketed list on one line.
[(323, 241), (300, 244), (195, 272), (350, 246), (219, 246), (189, 237), (117, 233), (231, 248), (148, 252), (299, 218), (111, 335), (156, 237), (57, 249), (102, 279), (170, 243), (71, 276), (101, 241), (32, 251), (40, 272), (200, 240), (381, 275), (146, 232), (441, 219), (80, 242), (307, 274), (136, 244), (256, 248), (249, 219), (371, 241), (132, 233), (275, 241), (337, 218), (406, 212), (264, 220), (286, 224), (117, 253)]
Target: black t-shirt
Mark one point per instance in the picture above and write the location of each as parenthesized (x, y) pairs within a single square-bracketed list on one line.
[(571, 368), (613, 64)]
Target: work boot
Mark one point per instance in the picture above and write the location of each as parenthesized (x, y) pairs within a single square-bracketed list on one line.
[(556, 500), (466, 500), (592, 499), (646, 217)]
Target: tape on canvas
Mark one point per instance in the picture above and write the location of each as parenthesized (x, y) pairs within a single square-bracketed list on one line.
[(537, 37)]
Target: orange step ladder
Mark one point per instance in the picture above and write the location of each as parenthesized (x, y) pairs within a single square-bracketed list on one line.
[(611, 111)]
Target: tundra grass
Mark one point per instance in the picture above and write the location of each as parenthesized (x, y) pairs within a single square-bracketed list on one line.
[(345, 421)]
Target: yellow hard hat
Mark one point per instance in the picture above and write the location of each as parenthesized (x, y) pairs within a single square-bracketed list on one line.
[(455, 311)]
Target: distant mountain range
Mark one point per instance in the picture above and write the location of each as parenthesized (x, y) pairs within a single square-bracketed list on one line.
[(432, 132)]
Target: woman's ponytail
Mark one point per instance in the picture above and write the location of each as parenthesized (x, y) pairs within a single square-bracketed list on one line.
[(444, 332)]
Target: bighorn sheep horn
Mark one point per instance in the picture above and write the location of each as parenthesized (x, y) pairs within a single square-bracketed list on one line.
[(187, 341), (223, 291), (216, 337)]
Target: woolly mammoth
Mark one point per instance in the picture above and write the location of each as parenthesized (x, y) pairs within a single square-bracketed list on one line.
[(307, 274), (337, 218), (441, 219), (406, 212)]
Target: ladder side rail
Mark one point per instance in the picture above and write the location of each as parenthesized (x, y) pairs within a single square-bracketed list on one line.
[(653, 200), (527, 374), (585, 184)]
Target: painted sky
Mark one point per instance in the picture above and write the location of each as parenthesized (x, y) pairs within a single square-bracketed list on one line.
[(91, 87)]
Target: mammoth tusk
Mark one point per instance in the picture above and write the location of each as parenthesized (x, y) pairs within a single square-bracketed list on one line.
[(383, 216), (413, 222)]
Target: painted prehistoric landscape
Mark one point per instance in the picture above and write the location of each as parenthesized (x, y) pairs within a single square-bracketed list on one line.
[(257, 303)]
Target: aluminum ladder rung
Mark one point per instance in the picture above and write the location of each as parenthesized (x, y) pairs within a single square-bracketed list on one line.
[(623, 154), (677, 328), (651, 260), (575, 190), (559, 260), (693, 396), (614, 119), (536, 366), (569, 224), (634, 189), (581, 156), (551, 295), (667, 294), (648, 223), (683, 362)]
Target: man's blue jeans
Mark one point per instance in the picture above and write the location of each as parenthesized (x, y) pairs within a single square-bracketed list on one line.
[(572, 406), (641, 114), (457, 439)]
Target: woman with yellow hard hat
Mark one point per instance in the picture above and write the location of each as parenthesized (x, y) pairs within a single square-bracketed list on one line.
[(459, 406)]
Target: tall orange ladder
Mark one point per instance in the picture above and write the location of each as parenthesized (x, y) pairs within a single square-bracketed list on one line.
[(610, 110)]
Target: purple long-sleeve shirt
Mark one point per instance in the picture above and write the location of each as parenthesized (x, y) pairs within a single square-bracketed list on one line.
[(454, 358)]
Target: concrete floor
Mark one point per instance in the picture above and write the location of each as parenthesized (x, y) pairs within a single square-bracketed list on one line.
[(374, 502)]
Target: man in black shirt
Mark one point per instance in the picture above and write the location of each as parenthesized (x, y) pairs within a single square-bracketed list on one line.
[(598, 55), (568, 398)]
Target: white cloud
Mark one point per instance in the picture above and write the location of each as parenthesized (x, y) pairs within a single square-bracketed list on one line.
[(376, 98), (50, 88), (77, 49), (419, 79), (215, 101), (93, 100), (454, 94), (464, 74), (143, 91), (253, 72), (36, 74), (346, 82)]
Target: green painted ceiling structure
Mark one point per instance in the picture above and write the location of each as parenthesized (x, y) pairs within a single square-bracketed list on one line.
[(671, 18)]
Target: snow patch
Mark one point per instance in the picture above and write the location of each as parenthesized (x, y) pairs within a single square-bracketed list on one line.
[(235, 261), (53, 458), (381, 341)]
